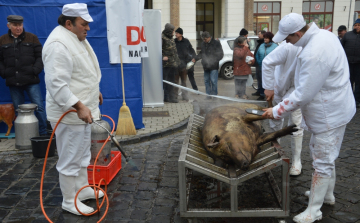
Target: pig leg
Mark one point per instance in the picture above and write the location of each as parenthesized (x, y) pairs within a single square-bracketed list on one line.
[(267, 137)]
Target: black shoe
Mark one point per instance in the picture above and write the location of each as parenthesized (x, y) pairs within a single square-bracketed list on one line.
[(255, 94), (260, 98), (357, 104)]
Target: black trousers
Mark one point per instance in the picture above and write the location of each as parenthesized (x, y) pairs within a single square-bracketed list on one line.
[(355, 79), (169, 75), (190, 74)]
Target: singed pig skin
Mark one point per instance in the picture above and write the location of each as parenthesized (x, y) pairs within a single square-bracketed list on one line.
[(232, 135)]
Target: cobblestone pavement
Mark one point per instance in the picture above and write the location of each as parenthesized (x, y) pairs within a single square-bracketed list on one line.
[(148, 192)]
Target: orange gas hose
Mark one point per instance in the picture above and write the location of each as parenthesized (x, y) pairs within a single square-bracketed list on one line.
[(96, 188)]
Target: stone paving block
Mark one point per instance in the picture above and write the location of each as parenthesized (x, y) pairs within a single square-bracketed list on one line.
[(160, 219), (129, 188), (142, 204), (169, 182), (138, 214), (3, 214), (118, 205), (21, 215), (5, 184), (119, 196), (128, 180), (147, 186), (346, 217), (329, 220), (10, 177), (53, 201), (9, 201), (28, 204), (353, 198), (118, 215), (145, 195), (168, 193), (165, 211), (38, 214), (150, 178), (56, 192), (165, 202)]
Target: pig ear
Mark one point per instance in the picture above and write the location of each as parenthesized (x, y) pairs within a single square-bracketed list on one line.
[(214, 142)]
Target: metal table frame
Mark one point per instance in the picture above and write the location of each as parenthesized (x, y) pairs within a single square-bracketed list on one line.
[(194, 157)]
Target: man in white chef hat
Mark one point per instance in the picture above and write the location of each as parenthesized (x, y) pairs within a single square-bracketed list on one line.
[(324, 94), (72, 77)]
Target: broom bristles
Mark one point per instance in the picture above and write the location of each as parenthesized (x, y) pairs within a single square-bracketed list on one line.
[(125, 124)]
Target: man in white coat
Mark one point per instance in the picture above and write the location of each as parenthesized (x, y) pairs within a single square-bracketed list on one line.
[(323, 92), (72, 77), (278, 82)]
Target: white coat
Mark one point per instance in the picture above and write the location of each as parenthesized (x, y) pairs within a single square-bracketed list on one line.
[(277, 75), (72, 73), (322, 86)]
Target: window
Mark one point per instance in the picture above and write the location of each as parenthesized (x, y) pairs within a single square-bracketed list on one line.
[(267, 16), (357, 7), (319, 12)]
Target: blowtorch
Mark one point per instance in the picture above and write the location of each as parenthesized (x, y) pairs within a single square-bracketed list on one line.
[(113, 139)]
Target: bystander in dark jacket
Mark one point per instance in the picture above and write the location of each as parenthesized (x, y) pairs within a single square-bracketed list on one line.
[(171, 62), (20, 66), (20, 60), (186, 53), (351, 44), (210, 54)]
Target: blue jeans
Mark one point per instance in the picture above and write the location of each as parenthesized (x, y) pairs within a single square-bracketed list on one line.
[(34, 93), (211, 79)]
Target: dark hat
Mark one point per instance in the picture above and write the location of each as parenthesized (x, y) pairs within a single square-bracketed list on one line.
[(169, 26), (357, 21), (179, 30), (15, 18), (243, 32), (341, 28)]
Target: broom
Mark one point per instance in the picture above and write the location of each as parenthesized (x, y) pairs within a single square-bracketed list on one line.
[(125, 124)]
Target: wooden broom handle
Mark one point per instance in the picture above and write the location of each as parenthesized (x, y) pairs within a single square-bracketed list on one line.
[(122, 75)]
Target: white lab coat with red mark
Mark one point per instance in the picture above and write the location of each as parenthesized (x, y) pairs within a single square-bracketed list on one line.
[(322, 86)]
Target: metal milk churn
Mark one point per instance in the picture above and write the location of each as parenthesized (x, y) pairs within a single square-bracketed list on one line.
[(98, 137), (26, 126)]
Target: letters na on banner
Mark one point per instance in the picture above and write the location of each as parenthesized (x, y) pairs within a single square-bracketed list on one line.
[(125, 27)]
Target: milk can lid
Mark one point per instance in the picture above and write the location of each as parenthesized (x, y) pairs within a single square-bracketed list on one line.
[(28, 106)]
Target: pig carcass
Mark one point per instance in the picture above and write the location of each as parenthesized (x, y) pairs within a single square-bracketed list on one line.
[(235, 137)]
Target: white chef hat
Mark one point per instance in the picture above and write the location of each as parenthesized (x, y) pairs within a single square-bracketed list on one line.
[(77, 10), (290, 24)]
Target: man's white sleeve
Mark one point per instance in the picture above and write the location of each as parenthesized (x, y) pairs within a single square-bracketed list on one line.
[(58, 70), (312, 76), (278, 57)]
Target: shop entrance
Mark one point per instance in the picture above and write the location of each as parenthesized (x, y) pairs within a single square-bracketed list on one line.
[(204, 20)]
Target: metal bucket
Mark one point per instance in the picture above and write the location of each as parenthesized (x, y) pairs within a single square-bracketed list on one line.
[(98, 137)]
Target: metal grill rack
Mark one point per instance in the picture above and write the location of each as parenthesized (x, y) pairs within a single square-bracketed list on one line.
[(193, 156)]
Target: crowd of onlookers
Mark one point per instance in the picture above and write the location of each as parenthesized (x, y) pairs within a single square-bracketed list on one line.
[(177, 53)]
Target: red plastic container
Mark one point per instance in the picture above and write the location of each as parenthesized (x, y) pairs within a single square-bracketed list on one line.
[(107, 172)]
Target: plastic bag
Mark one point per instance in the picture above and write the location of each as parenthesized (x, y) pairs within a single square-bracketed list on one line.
[(249, 81), (248, 59), (189, 65)]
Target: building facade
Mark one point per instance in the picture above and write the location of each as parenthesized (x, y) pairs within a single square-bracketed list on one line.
[(225, 18)]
